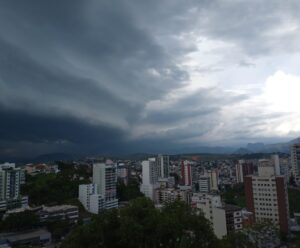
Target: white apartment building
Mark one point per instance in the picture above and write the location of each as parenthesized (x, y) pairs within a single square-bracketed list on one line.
[(163, 163), (150, 172), (168, 195), (102, 193), (224, 218), (204, 184), (11, 179)]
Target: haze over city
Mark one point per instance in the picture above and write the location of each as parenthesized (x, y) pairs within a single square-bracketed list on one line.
[(113, 76)]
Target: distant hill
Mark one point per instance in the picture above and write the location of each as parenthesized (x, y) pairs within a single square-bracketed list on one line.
[(51, 157), (267, 148)]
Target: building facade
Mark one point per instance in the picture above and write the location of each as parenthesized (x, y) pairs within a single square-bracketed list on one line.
[(295, 159), (102, 193), (267, 197), (11, 179), (150, 175), (242, 169), (163, 163)]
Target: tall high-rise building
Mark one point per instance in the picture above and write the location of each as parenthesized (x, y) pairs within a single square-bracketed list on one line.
[(150, 172), (186, 173), (163, 166), (266, 196), (295, 159), (105, 177), (276, 162), (102, 194), (10, 180), (213, 176), (242, 169)]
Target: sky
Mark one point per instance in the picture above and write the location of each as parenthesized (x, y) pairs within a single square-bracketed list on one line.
[(98, 76)]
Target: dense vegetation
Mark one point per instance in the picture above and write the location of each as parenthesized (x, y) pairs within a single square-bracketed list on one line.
[(142, 225), (54, 188), (129, 191), (235, 195), (19, 222), (294, 201)]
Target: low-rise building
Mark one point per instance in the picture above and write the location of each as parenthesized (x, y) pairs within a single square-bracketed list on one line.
[(167, 195), (36, 238), (60, 212)]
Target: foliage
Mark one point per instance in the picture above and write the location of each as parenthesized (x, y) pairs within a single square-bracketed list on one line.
[(19, 221), (52, 188), (236, 240), (59, 229), (294, 201), (129, 191), (235, 195), (140, 224)]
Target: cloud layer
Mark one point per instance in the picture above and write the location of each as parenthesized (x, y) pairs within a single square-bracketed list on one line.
[(110, 76)]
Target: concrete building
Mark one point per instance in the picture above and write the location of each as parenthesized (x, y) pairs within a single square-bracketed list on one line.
[(163, 163), (35, 238), (150, 175), (295, 159), (204, 184), (186, 173), (266, 196), (102, 193), (211, 207), (122, 173), (167, 195), (214, 179), (224, 218), (60, 212), (11, 179), (242, 169)]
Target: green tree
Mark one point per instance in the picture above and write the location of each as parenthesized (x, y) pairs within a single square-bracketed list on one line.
[(19, 221), (129, 191), (141, 225)]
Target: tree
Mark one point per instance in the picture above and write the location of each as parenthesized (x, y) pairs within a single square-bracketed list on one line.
[(129, 191), (141, 225), (19, 221)]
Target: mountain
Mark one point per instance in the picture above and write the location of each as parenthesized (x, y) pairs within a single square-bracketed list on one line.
[(267, 148)]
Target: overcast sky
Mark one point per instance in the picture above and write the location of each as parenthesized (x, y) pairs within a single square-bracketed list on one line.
[(99, 76)]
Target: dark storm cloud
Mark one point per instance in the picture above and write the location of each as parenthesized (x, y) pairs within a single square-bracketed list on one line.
[(88, 62), (80, 75)]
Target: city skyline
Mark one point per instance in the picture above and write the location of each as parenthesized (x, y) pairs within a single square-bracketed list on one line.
[(89, 77)]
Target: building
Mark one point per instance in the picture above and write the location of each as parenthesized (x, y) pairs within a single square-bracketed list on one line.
[(266, 196), (11, 179), (102, 193), (60, 212), (168, 195), (211, 207), (122, 173), (85, 192), (186, 173), (204, 184), (224, 218), (105, 177), (242, 169), (295, 159), (35, 238), (163, 166), (150, 175), (234, 218), (276, 163), (213, 177)]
